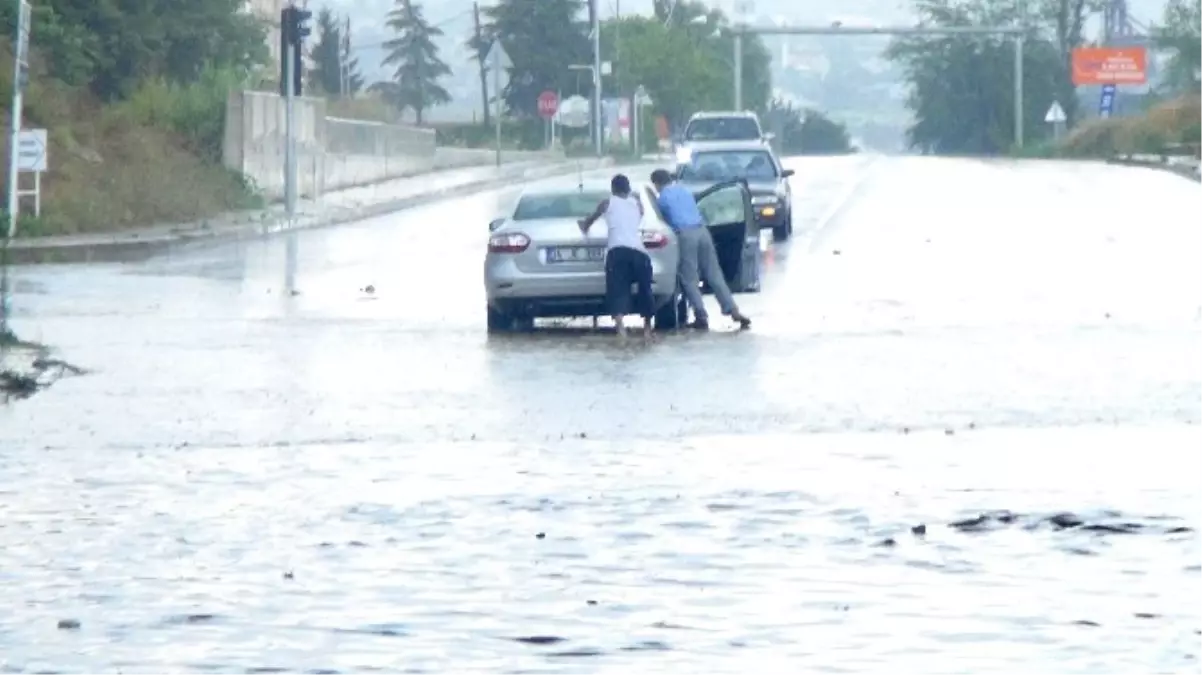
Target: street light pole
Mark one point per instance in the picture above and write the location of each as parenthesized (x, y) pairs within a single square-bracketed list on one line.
[(738, 64), (597, 75)]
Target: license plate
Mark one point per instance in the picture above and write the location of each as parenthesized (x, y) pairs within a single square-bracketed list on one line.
[(575, 254)]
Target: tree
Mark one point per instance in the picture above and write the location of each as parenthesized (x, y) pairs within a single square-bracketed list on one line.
[(684, 66), (326, 73), (805, 131), (961, 87), (542, 39), (415, 56), (113, 46), (1180, 35)]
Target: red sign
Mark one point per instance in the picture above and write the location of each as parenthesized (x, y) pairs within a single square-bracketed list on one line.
[(661, 128), (548, 104), (1110, 65)]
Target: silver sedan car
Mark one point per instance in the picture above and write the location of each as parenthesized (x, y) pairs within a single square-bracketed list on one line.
[(539, 264)]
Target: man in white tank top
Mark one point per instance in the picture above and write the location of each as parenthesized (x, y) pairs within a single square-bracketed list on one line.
[(626, 259)]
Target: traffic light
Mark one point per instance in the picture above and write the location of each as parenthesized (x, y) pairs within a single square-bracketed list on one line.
[(294, 29)]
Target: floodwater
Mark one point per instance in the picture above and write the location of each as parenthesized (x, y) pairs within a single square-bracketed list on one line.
[(961, 437)]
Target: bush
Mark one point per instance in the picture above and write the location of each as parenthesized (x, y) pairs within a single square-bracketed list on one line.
[(1162, 130), (196, 112)]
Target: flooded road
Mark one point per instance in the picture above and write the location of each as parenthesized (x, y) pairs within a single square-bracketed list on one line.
[(346, 481)]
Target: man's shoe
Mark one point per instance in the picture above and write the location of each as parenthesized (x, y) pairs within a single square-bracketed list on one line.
[(744, 322), (700, 324)]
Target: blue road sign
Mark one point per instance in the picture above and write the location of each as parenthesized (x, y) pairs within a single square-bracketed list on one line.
[(1106, 102)]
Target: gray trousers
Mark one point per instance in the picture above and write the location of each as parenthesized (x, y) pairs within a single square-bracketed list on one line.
[(699, 260)]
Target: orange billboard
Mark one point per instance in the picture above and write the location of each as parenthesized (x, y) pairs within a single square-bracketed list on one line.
[(1110, 65)]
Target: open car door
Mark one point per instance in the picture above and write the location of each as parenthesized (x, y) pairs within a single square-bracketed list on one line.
[(730, 216)]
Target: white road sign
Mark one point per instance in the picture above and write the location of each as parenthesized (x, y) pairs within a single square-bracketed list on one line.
[(1055, 114), (33, 153), (574, 112), (497, 57)]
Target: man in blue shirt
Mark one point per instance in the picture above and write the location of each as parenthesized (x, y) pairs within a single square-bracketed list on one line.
[(698, 256)]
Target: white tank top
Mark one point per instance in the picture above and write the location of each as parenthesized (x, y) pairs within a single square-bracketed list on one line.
[(624, 222)]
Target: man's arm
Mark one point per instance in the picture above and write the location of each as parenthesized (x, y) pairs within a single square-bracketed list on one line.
[(597, 213)]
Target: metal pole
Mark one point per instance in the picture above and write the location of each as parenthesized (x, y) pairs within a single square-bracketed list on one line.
[(14, 140), (738, 64), (14, 137), (496, 88), (290, 168), (1019, 106), (634, 133), (597, 79)]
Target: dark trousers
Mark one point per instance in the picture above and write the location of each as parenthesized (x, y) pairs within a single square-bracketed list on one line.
[(625, 267)]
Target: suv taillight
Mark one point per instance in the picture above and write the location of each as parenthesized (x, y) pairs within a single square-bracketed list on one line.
[(509, 242), (654, 239)]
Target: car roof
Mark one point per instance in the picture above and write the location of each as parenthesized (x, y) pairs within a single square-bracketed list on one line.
[(733, 146), (710, 114)]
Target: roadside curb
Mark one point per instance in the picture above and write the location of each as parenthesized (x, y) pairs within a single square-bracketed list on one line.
[(272, 221)]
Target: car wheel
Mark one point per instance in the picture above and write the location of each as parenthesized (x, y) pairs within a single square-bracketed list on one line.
[(781, 232), (789, 219), (667, 317), (498, 321)]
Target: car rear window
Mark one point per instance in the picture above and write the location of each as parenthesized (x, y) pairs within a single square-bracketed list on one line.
[(729, 164), (575, 204), (722, 129)]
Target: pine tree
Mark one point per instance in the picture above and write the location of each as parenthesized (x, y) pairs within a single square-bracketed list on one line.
[(326, 74), (542, 39), (335, 70), (415, 56)]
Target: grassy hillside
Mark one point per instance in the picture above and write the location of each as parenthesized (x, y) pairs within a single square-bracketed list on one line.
[(152, 158)]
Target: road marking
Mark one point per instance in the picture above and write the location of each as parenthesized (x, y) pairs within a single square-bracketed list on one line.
[(815, 236)]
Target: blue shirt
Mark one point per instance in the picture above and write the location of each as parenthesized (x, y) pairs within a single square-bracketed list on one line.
[(680, 208)]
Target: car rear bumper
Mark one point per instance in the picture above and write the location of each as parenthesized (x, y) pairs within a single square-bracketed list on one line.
[(550, 295), (562, 305)]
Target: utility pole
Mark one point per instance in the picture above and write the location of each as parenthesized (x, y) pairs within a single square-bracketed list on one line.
[(596, 20), (478, 32), (20, 79)]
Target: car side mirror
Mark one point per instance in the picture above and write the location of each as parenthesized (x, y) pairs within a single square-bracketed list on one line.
[(787, 173), (492, 227)]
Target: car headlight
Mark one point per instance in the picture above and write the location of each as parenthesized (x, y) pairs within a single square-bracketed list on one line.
[(683, 155)]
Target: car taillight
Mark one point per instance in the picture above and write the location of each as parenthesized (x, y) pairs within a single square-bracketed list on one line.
[(509, 242), (654, 239)]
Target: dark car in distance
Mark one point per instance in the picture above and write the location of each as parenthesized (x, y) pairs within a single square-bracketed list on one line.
[(701, 164)]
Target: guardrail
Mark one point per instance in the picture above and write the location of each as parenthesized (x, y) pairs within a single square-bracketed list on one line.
[(1184, 159)]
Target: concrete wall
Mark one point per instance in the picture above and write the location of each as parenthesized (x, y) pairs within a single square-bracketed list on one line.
[(335, 153)]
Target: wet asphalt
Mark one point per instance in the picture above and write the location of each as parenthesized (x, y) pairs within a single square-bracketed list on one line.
[(960, 437)]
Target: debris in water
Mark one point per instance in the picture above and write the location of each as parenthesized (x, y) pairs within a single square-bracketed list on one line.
[(68, 624), (541, 535), (919, 529)]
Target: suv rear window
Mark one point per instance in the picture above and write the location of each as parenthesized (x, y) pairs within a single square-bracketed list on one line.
[(722, 129)]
